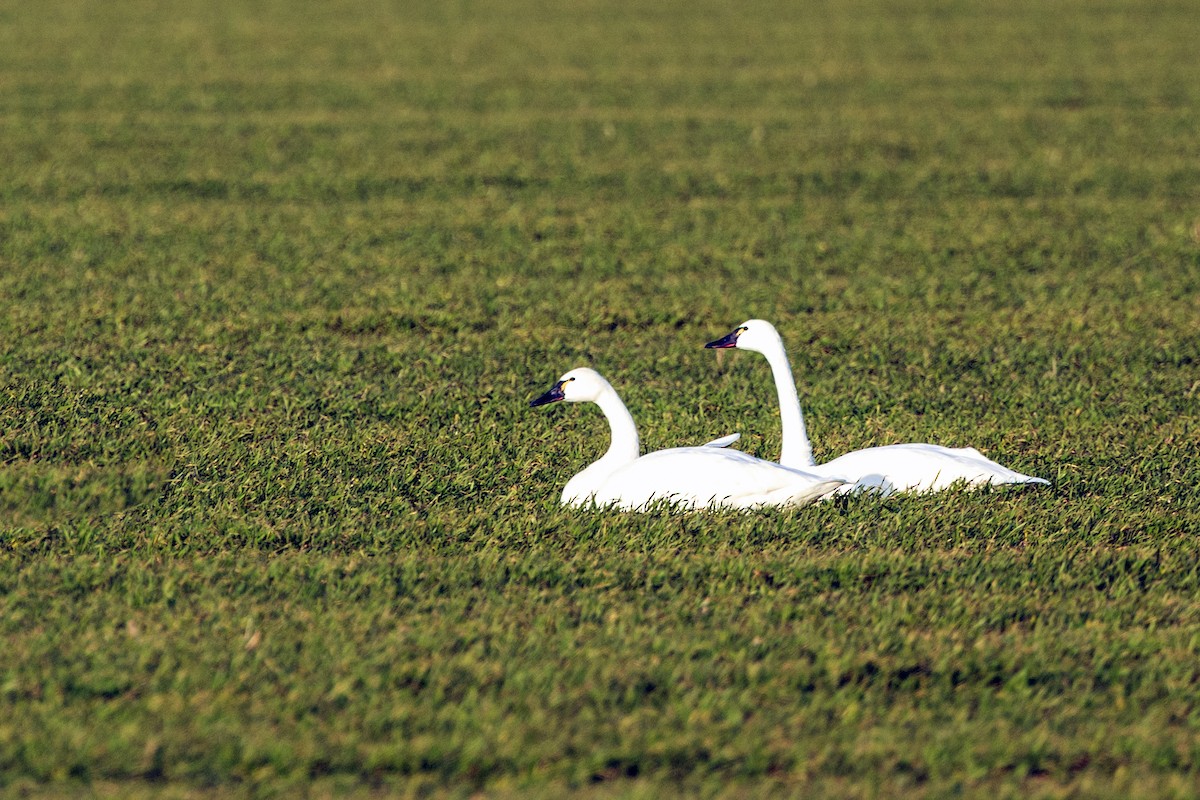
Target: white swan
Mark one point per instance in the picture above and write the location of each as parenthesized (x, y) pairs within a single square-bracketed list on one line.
[(688, 477), (887, 469)]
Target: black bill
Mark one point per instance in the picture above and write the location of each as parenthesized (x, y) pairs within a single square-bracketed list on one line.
[(552, 396), (728, 340)]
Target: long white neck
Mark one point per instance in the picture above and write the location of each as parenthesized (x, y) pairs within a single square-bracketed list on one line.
[(625, 446), (797, 451), (623, 449)]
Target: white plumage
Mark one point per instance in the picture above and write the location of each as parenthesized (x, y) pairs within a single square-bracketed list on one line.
[(709, 476), (891, 468)]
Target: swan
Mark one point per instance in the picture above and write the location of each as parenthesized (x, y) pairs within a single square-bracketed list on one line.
[(887, 469), (709, 476)]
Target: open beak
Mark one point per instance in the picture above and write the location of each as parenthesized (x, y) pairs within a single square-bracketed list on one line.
[(729, 340), (552, 396)]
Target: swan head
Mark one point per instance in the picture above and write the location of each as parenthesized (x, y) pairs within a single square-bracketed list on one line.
[(577, 386), (753, 334)]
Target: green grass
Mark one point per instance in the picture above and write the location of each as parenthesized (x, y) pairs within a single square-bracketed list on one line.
[(280, 279)]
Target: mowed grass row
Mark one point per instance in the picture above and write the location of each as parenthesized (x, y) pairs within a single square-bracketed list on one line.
[(281, 279), (525, 660)]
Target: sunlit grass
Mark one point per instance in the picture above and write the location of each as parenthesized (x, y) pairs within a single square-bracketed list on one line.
[(280, 280)]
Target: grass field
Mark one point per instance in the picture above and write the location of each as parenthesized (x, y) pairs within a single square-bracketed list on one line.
[(280, 279)]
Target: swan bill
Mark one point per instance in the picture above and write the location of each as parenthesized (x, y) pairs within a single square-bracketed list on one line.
[(553, 395), (729, 340)]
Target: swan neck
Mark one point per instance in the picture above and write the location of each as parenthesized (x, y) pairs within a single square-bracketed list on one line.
[(797, 451), (625, 446)]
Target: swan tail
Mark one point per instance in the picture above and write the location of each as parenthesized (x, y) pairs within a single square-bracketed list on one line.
[(790, 496), (874, 483)]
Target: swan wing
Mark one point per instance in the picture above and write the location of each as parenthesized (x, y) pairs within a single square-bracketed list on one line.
[(923, 468), (724, 441)]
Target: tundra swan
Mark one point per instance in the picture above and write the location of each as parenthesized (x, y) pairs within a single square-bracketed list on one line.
[(687, 477), (890, 468)]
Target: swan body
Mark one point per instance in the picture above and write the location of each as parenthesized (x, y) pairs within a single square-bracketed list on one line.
[(709, 476), (920, 468), (887, 469)]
